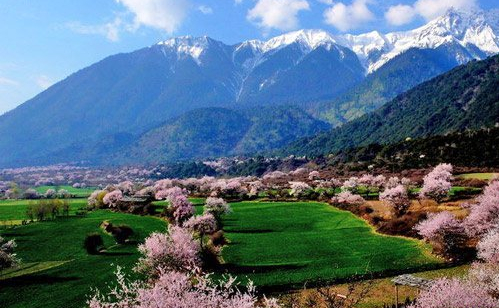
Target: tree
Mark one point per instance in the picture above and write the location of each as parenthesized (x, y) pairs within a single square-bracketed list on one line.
[(180, 209), (445, 232), (484, 214), (176, 250), (455, 293), (8, 258), (437, 183), (203, 224), (346, 198), (93, 243), (488, 246), (397, 197), (216, 207), (30, 193), (175, 289), (299, 189), (111, 199)]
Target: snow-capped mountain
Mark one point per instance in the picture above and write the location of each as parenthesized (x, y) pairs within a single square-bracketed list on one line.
[(477, 32), (335, 77)]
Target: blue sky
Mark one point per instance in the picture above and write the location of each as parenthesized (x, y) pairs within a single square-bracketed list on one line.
[(44, 41)]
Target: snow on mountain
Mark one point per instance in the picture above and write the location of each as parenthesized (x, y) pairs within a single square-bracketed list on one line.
[(472, 30), (188, 46)]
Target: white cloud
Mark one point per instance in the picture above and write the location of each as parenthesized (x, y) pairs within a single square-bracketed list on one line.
[(277, 14), (44, 81), (328, 2), (110, 30), (4, 81), (346, 17), (398, 15), (166, 15), (429, 9), (205, 9)]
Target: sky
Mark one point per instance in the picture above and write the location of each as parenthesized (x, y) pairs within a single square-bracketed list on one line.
[(44, 41)]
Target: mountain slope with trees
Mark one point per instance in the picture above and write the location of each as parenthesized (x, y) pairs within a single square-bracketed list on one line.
[(465, 98)]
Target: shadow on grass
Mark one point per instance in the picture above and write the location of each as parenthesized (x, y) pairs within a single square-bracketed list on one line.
[(28, 280), (114, 253)]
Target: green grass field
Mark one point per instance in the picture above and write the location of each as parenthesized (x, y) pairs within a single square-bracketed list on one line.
[(77, 192), (56, 270), (479, 176), (288, 244), (274, 244)]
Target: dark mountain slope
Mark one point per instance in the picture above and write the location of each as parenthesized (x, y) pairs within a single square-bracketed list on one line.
[(465, 98), (395, 77)]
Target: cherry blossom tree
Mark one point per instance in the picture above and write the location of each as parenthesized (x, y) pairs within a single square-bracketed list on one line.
[(351, 184), (455, 293), (314, 175), (299, 189), (446, 233), (50, 193), (437, 224), (346, 198), (217, 207), (178, 290), (181, 208), (488, 246), (437, 183), (111, 199), (397, 197), (484, 214), (176, 250), (170, 193), (203, 224)]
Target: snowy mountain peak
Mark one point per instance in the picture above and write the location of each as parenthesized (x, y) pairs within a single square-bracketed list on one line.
[(471, 30), (188, 46), (477, 32), (308, 39)]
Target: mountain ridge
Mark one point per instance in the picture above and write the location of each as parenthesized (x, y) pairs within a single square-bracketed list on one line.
[(129, 94)]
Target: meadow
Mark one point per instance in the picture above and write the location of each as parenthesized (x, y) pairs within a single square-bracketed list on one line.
[(277, 245), (285, 245), (56, 268), (77, 192)]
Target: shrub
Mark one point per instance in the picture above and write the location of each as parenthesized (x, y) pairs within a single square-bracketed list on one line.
[(7, 256), (93, 243), (122, 233)]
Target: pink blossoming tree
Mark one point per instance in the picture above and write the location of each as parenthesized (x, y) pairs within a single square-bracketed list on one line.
[(111, 199), (437, 183), (397, 197), (176, 250), (455, 293)]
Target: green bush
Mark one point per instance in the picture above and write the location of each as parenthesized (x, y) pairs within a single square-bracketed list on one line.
[(93, 243)]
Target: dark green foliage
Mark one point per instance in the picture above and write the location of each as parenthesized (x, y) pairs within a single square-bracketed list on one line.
[(468, 149), (212, 132), (93, 243), (122, 233), (464, 98)]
